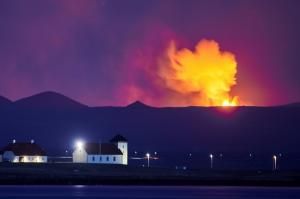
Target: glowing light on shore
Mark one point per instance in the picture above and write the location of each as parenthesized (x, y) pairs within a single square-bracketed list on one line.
[(79, 144)]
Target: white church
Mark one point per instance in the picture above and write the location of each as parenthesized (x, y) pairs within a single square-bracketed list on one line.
[(115, 152)]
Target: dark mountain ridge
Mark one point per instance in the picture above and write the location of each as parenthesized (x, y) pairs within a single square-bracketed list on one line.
[(137, 104), (180, 130), (4, 101), (295, 104), (48, 100)]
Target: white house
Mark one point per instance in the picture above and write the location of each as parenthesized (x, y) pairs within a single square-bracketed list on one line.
[(27, 152), (115, 152)]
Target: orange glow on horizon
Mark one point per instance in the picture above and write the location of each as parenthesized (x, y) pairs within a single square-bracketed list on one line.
[(228, 103)]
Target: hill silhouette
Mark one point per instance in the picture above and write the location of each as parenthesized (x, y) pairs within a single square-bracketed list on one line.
[(56, 121), (4, 101), (48, 100), (137, 104), (295, 104)]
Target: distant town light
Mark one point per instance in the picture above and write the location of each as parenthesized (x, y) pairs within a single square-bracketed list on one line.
[(31, 141), (274, 162), (148, 158), (211, 156), (14, 141)]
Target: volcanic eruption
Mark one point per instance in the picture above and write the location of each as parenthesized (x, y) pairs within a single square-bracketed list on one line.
[(205, 74)]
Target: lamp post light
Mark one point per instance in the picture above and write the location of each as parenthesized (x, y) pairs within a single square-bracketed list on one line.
[(274, 162), (148, 159), (211, 156)]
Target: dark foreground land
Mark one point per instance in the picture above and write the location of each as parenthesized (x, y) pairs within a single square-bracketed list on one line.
[(84, 174)]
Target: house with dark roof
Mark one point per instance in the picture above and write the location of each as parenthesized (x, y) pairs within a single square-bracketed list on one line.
[(27, 152), (114, 152)]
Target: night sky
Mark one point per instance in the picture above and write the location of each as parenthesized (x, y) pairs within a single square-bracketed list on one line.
[(105, 52)]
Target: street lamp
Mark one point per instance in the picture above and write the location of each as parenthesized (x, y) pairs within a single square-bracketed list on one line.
[(211, 156), (148, 158), (274, 162)]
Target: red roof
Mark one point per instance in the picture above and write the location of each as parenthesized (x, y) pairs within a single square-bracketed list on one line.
[(102, 149), (30, 149)]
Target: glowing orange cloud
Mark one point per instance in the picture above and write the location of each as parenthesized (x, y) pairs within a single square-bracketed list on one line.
[(206, 74)]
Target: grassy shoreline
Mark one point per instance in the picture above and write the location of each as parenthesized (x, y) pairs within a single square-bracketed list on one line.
[(91, 174)]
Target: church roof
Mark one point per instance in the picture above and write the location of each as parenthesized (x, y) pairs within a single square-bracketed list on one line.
[(24, 148), (102, 149), (118, 138)]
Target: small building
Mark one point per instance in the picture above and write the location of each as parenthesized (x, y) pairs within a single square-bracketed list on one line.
[(115, 152), (27, 152)]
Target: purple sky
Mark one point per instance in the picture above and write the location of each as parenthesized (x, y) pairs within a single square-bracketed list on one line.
[(104, 52)]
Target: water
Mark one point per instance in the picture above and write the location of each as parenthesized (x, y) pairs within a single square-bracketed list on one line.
[(147, 192)]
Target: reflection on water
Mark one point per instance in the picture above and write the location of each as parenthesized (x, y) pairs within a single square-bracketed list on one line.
[(151, 192)]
